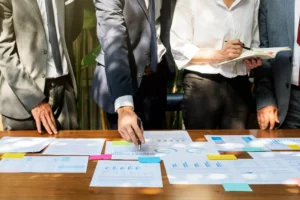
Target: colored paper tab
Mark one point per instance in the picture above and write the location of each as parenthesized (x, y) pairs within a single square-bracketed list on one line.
[(149, 159), (121, 143), (101, 157), (253, 149), (221, 157), (13, 155), (294, 146), (237, 187)]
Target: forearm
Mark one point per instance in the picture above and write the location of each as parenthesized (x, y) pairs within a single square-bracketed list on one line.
[(208, 56)]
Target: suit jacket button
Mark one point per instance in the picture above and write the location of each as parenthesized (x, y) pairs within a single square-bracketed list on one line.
[(140, 75), (287, 85), (45, 51), (44, 75), (146, 52)]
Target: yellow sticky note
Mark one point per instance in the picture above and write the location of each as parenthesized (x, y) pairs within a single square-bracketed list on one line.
[(221, 157), (294, 146), (13, 155), (121, 143)]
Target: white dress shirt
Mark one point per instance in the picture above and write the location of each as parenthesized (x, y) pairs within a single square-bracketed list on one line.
[(127, 100), (296, 57), (51, 69), (205, 25)]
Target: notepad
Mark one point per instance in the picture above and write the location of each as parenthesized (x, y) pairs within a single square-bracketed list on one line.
[(237, 187), (221, 157), (263, 53)]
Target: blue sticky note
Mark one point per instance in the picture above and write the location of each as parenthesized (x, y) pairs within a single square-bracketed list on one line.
[(149, 159), (237, 187), (253, 149)]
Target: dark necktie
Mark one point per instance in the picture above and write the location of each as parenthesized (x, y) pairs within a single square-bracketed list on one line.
[(53, 37), (153, 43)]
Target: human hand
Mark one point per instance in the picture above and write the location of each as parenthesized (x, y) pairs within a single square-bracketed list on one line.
[(267, 117), (42, 114), (128, 125), (232, 49), (252, 63)]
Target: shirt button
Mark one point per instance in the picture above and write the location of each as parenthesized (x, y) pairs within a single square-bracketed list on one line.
[(146, 52), (140, 75), (45, 51), (44, 75)]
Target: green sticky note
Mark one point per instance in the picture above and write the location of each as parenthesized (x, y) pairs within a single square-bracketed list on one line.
[(237, 187), (121, 143), (253, 149), (13, 155)]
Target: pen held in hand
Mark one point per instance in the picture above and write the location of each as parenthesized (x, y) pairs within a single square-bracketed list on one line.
[(139, 121), (244, 47)]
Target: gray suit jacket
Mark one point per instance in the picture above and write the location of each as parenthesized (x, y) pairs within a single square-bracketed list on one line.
[(273, 78), (124, 33), (23, 52)]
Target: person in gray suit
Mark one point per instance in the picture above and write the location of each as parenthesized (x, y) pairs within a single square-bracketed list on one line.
[(37, 83), (130, 78), (277, 81)]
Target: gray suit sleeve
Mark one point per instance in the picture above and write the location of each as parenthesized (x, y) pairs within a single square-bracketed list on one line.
[(112, 33), (264, 90), (12, 70)]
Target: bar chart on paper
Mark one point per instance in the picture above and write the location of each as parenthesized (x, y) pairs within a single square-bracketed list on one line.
[(187, 169), (126, 174), (282, 143)]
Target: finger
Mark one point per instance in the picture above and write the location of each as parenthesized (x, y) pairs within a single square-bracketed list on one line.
[(276, 117), (266, 122), (46, 125), (139, 133), (132, 135), (235, 42), (262, 121), (125, 136), (51, 124), (38, 125), (272, 121)]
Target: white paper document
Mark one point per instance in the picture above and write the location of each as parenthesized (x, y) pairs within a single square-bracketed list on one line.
[(292, 159), (45, 164), (272, 171), (193, 169), (75, 147), (235, 142), (23, 144), (130, 152), (280, 143), (167, 137), (126, 174)]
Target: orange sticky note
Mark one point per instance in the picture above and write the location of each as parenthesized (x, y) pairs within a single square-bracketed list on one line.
[(13, 155), (294, 146), (221, 157)]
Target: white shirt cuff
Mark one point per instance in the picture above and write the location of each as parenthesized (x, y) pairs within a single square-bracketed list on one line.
[(126, 100), (184, 55)]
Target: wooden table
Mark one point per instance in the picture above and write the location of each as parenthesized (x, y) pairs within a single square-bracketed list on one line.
[(76, 186)]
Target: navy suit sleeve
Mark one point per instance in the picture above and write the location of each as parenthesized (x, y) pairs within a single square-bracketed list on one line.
[(264, 90), (112, 33)]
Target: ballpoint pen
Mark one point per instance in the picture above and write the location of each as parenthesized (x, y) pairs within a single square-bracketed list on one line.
[(139, 121), (244, 47)]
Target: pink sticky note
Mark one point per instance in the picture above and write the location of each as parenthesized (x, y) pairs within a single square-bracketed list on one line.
[(297, 181), (101, 157)]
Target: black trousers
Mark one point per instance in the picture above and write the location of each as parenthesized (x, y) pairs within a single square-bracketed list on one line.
[(149, 101), (61, 97), (292, 120), (212, 101)]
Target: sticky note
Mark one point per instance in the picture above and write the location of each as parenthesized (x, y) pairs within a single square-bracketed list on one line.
[(237, 187), (101, 157), (13, 155), (294, 146), (297, 180), (149, 159), (121, 143), (221, 157), (253, 149)]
